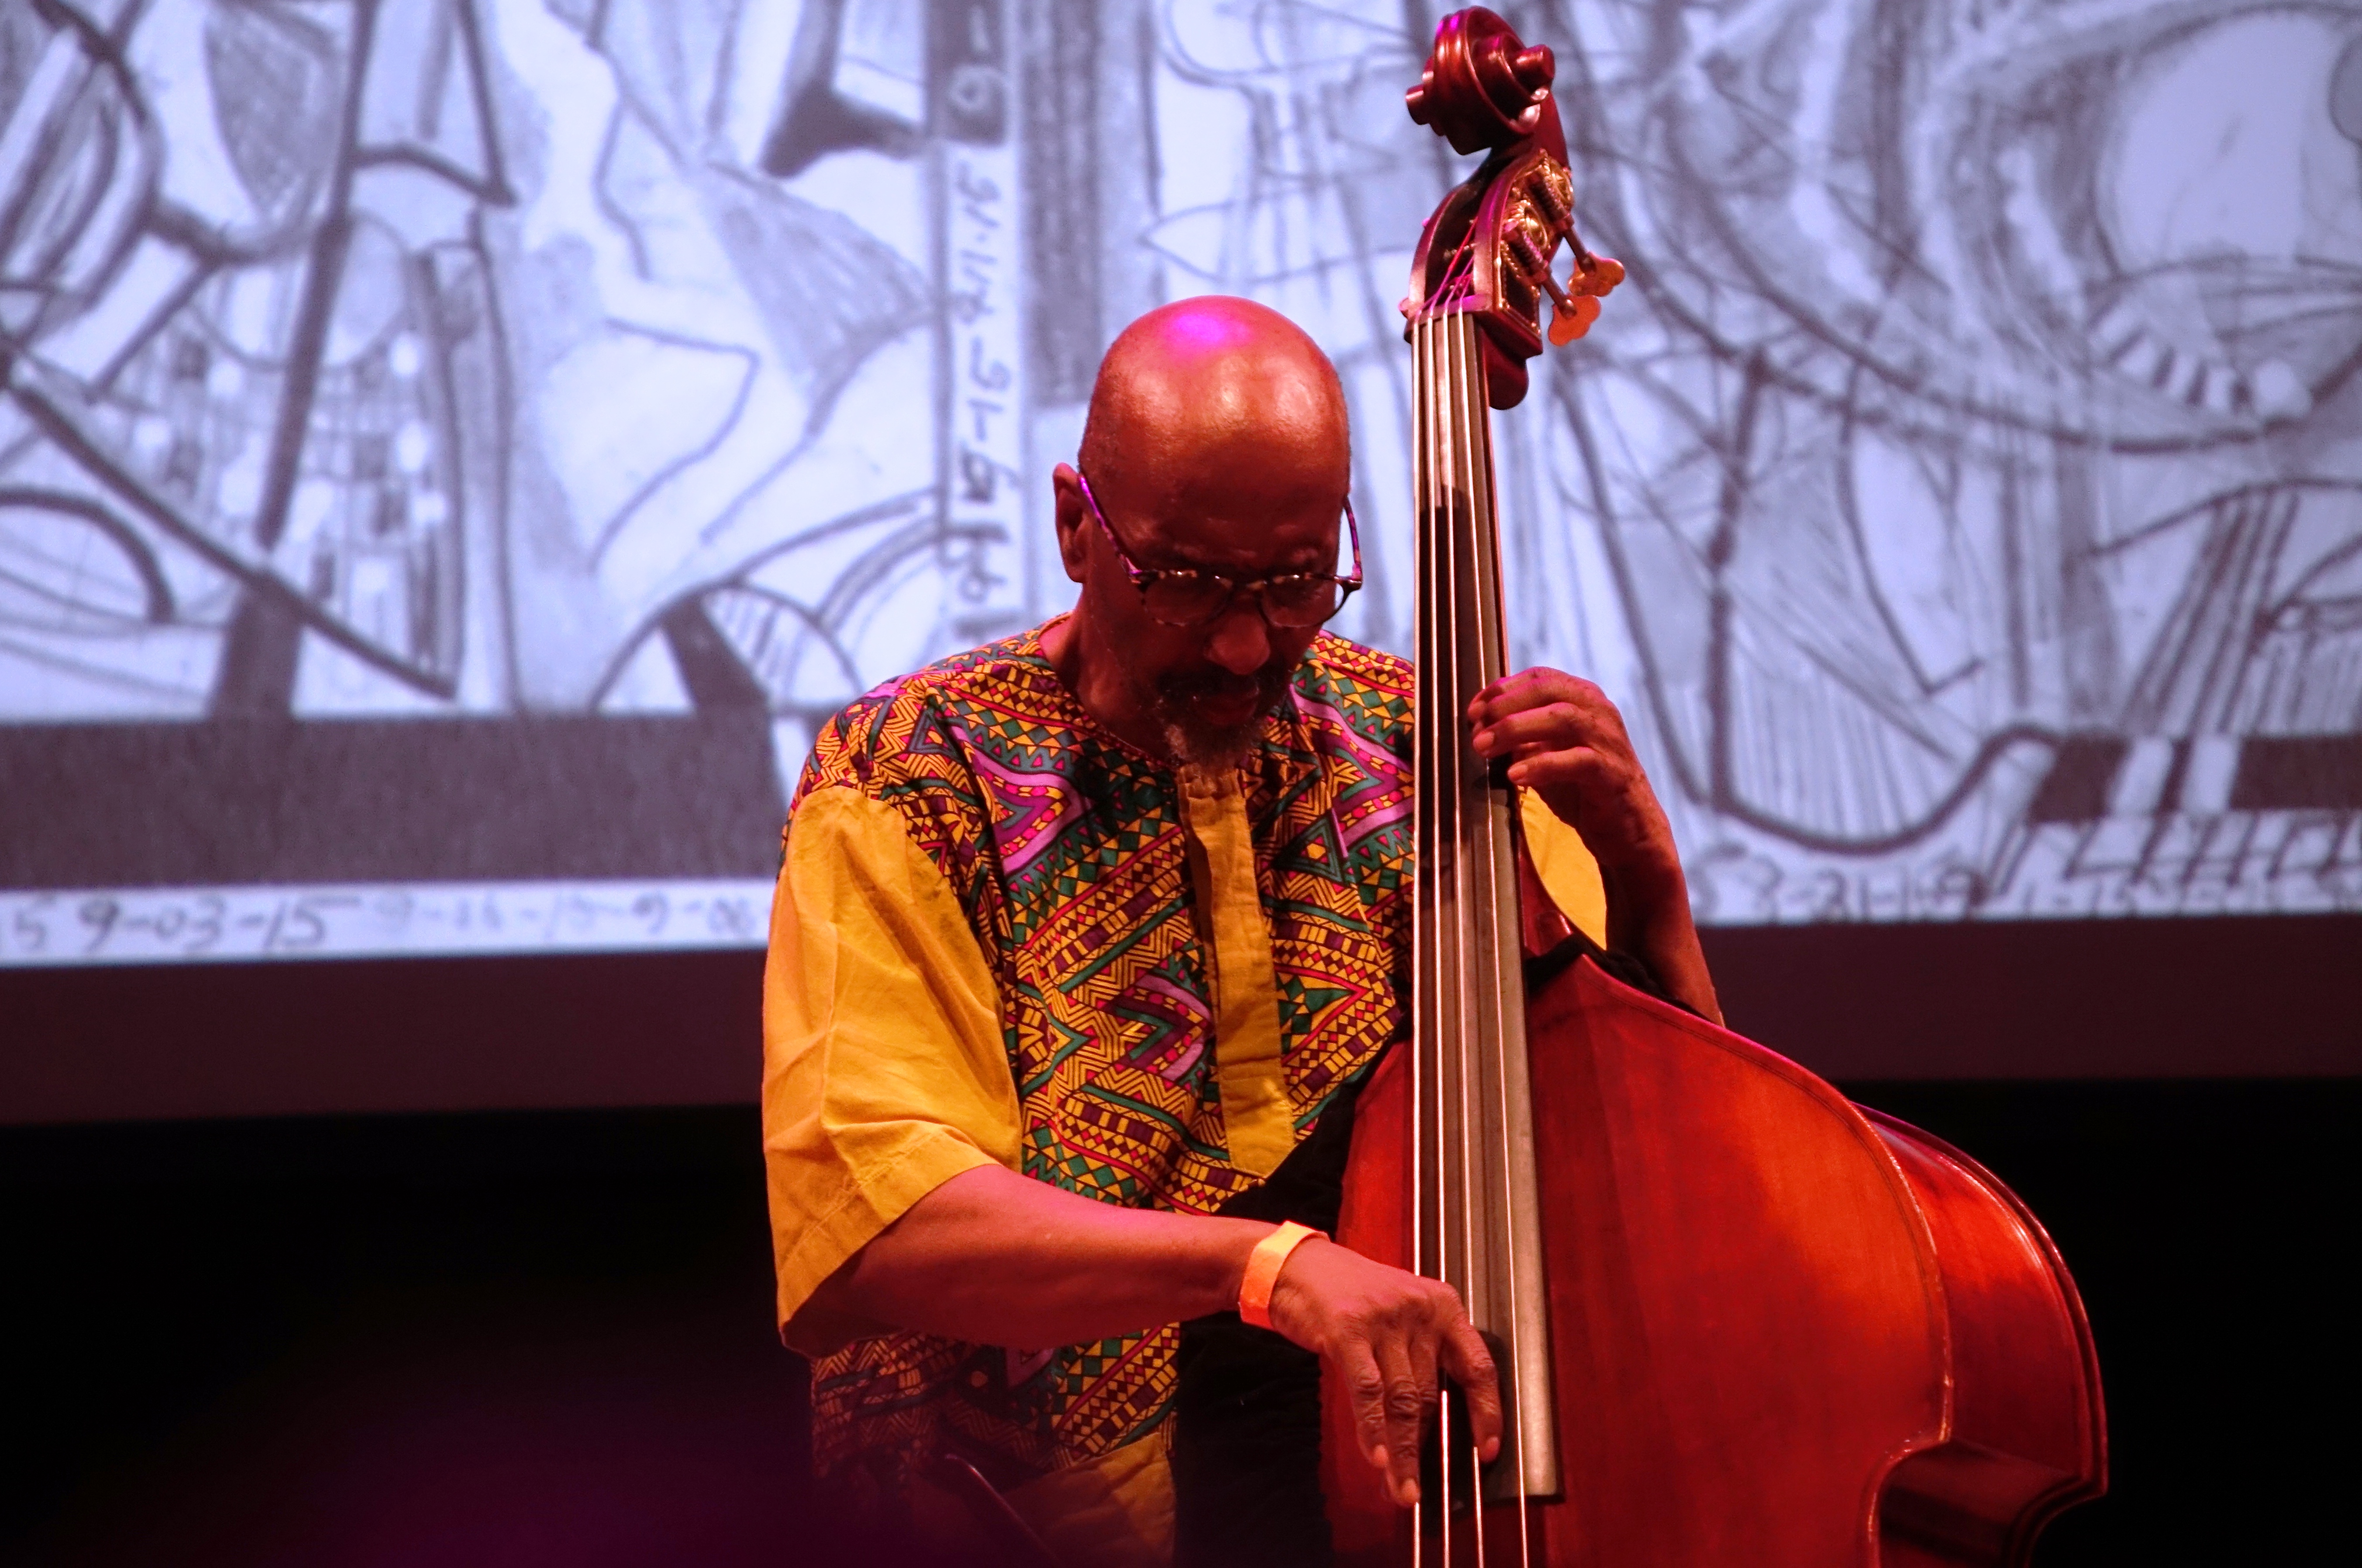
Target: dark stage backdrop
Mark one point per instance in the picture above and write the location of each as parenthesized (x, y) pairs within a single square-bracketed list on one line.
[(485, 1340), (453, 452)]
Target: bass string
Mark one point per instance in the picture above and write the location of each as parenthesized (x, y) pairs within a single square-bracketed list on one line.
[(1467, 796), (1451, 1147), (1487, 912), (1493, 950), (1460, 510), (1427, 997), (1422, 698), (1441, 907), (1449, 1011), (1439, 817)]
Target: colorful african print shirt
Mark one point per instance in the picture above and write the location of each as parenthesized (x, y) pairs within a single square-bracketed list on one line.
[(1068, 857)]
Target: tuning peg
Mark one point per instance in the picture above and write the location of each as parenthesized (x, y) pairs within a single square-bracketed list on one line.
[(1415, 100), (1571, 319), (1535, 68), (1595, 275), (1572, 314)]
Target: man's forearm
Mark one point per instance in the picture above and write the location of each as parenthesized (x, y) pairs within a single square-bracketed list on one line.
[(996, 1258), (1649, 918)]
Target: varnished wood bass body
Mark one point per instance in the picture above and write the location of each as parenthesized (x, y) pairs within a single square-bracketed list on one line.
[(1786, 1332)]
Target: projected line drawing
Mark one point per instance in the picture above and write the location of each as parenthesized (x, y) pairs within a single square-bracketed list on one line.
[(1964, 503), (216, 352), (1988, 446), (488, 358), (276, 298)]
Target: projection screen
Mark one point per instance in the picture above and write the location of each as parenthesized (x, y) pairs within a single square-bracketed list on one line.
[(455, 451)]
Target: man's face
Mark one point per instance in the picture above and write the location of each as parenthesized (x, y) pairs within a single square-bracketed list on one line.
[(1243, 514)]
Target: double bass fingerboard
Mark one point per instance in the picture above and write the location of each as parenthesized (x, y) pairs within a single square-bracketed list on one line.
[(1474, 1184)]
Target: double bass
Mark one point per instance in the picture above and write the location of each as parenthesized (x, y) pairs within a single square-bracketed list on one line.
[(1739, 1319)]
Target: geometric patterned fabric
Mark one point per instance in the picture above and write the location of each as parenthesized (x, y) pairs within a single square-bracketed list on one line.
[(1067, 850)]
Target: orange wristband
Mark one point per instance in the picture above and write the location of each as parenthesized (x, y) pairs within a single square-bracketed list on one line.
[(1263, 1265)]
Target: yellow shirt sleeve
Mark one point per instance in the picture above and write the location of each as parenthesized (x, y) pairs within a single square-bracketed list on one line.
[(884, 1070), (1565, 865)]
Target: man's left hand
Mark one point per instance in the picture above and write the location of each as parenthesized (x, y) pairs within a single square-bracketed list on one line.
[(1565, 741)]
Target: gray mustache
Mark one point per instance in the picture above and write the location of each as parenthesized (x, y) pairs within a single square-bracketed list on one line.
[(1267, 684)]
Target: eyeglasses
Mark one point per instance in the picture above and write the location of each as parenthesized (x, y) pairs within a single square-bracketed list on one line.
[(1183, 596)]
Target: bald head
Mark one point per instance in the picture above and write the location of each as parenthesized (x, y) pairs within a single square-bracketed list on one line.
[(1217, 446), (1212, 382)]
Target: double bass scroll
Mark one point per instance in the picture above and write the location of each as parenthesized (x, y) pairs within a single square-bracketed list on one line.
[(1738, 1318)]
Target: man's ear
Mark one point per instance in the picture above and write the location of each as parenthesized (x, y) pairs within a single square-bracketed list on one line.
[(1074, 520)]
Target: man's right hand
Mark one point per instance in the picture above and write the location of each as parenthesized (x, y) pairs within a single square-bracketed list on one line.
[(997, 1258), (1385, 1333)]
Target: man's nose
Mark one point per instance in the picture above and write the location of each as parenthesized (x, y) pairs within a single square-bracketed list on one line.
[(1240, 641)]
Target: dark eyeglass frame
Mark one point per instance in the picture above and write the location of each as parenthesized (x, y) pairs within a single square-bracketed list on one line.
[(1145, 578)]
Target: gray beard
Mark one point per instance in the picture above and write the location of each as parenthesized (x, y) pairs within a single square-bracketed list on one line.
[(1211, 750), (1207, 747)]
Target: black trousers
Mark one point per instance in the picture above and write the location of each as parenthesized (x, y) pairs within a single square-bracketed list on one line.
[(1246, 1415)]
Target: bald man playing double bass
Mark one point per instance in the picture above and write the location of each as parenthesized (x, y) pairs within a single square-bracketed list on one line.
[(1083, 942)]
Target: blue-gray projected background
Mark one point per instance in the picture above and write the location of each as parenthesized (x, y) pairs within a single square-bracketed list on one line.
[(453, 451)]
